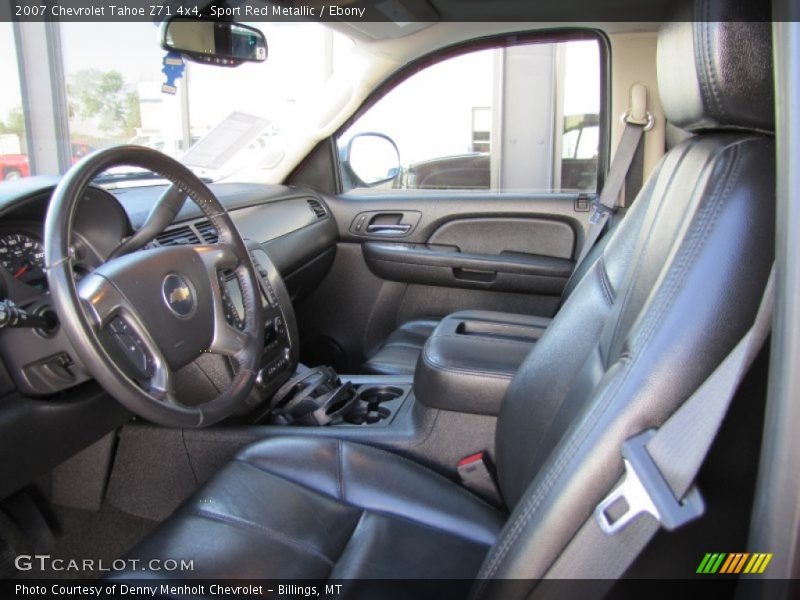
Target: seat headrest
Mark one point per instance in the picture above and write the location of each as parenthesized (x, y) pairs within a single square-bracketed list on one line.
[(715, 66)]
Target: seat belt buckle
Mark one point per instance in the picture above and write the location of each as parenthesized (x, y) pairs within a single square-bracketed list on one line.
[(476, 474), (644, 490), (599, 212)]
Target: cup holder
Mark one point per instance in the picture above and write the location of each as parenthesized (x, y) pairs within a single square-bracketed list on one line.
[(369, 410), (376, 395), (365, 415)]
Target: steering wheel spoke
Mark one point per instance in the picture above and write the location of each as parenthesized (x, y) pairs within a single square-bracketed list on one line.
[(227, 340), (217, 257)]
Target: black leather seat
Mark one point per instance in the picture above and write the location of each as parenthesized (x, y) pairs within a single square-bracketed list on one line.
[(674, 289), (316, 508)]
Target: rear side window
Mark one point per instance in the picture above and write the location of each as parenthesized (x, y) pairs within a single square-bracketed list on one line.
[(525, 117)]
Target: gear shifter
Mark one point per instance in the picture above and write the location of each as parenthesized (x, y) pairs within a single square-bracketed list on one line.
[(314, 397)]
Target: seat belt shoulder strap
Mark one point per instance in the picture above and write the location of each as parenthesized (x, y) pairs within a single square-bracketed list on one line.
[(637, 120)]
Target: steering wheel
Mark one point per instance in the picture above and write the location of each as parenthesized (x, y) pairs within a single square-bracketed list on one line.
[(138, 318)]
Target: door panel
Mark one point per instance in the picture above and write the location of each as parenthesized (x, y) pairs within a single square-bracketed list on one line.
[(519, 235), (511, 253), (447, 266)]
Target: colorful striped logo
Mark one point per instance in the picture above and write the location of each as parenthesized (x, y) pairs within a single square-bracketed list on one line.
[(734, 563)]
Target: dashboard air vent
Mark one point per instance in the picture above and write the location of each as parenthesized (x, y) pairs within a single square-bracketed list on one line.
[(207, 231), (179, 236), (317, 208)]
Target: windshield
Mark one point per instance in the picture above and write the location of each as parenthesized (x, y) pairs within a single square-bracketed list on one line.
[(224, 123)]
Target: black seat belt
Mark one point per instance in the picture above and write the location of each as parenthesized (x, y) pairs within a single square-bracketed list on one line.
[(637, 121), (660, 467)]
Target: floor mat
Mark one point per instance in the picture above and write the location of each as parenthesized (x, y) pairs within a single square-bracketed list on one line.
[(100, 536)]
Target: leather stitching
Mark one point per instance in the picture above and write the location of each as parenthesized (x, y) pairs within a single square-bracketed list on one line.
[(679, 270), (638, 265), (709, 70), (604, 283), (339, 468), (277, 535)]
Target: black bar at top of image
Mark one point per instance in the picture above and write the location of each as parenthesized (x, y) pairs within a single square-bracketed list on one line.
[(401, 12)]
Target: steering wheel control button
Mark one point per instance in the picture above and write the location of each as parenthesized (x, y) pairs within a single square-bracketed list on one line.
[(178, 295), (132, 347)]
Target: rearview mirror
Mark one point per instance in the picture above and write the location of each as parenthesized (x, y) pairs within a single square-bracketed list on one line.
[(215, 42)]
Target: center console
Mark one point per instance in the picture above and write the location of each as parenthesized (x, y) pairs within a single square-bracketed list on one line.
[(465, 366), (468, 362)]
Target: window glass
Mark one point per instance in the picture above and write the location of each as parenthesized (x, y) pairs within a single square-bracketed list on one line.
[(587, 146), (119, 97), (522, 118), (569, 143), (13, 144)]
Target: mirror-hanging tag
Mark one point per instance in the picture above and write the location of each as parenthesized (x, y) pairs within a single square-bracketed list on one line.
[(173, 67)]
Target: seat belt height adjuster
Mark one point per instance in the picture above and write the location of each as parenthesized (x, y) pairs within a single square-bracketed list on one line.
[(644, 490)]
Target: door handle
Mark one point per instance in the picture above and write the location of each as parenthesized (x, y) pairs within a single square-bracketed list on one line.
[(388, 229)]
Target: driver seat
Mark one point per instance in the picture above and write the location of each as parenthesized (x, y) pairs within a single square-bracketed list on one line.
[(675, 288)]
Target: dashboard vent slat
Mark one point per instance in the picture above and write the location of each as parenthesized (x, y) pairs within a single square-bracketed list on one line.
[(207, 231), (317, 208), (179, 236)]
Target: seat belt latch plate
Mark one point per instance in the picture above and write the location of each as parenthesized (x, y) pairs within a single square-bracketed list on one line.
[(644, 490)]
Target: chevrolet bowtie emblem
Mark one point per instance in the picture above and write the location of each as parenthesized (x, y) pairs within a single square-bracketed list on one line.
[(178, 296)]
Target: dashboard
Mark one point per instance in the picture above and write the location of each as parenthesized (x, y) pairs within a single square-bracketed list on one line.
[(50, 407), (290, 232)]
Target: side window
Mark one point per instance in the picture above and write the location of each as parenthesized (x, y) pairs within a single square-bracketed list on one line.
[(13, 143), (523, 117)]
